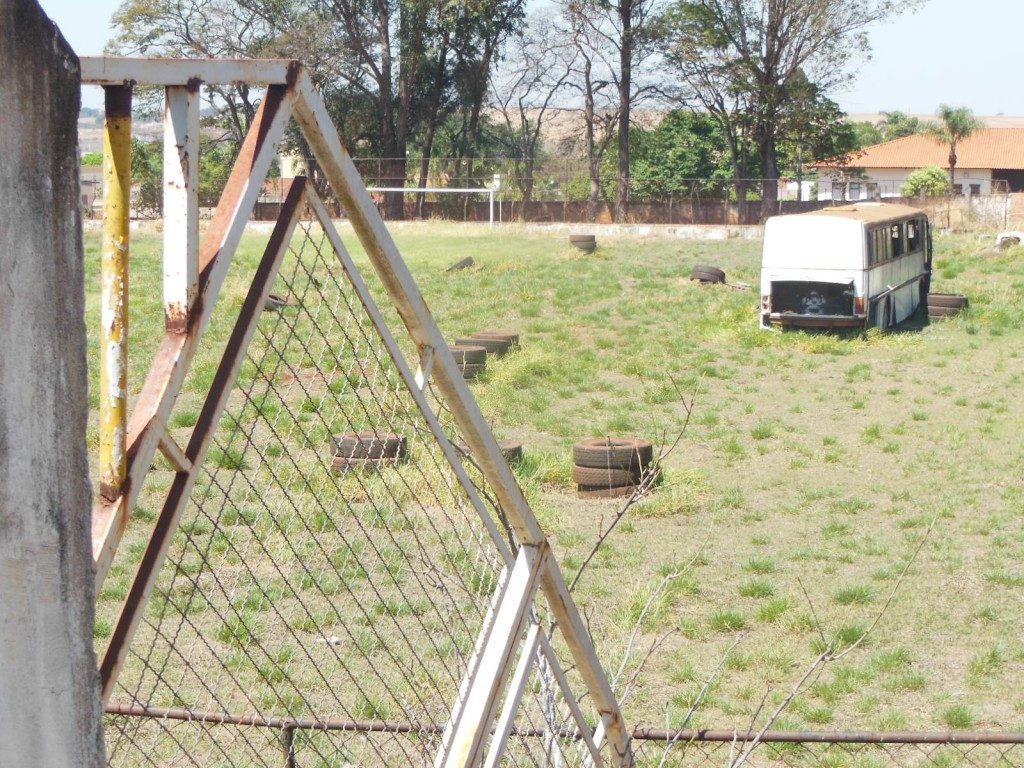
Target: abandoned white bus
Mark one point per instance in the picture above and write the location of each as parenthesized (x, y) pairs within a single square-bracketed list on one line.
[(845, 267)]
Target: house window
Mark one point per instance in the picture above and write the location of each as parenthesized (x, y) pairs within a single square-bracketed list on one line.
[(838, 190), (975, 189), (958, 189), (854, 190)]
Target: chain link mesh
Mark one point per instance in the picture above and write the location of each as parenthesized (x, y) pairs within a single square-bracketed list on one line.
[(316, 610)]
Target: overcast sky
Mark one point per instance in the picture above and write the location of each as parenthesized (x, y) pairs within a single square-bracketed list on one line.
[(951, 51)]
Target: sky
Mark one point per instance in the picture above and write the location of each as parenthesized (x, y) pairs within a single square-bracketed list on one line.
[(949, 52)]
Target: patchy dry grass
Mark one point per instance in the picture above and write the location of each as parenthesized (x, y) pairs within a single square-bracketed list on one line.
[(813, 465)]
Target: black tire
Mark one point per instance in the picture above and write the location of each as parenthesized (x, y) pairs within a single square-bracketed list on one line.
[(957, 300), (587, 246), (582, 238), (707, 274), (494, 346), (512, 450), (276, 302), (512, 337), (474, 354), (943, 312), (586, 492), (341, 465), (595, 477), (369, 445), (630, 453), (472, 370)]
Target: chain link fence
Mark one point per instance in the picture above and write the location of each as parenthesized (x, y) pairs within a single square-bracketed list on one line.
[(323, 595)]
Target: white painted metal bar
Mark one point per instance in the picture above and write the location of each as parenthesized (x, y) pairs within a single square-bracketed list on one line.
[(515, 694), (569, 696), (172, 360), (117, 70), (181, 204), (173, 453), (489, 678), (323, 138), (181, 489)]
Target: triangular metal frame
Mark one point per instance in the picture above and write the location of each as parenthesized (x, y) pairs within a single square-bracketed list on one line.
[(503, 660)]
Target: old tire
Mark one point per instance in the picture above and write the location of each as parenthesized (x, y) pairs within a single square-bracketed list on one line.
[(707, 274), (472, 354), (588, 492), (957, 300), (472, 370), (341, 465), (369, 445), (941, 313), (512, 337), (276, 302), (512, 450), (595, 477), (494, 346), (630, 453)]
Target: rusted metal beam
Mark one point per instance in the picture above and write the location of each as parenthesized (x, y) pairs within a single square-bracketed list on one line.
[(181, 204), (683, 736), (120, 70), (202, 434), (172, 360), (117, 163)]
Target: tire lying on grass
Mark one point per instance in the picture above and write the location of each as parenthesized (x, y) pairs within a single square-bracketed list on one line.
[(370, 445), (586, 243), (512, 450), (472, 370), (494, 346), (943, 305), (588, 492), (596, 477), (705, 273), (512, 337), (632, 453), (471, 354)]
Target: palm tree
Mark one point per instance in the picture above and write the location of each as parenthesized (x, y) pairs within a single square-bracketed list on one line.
[(955, 125)]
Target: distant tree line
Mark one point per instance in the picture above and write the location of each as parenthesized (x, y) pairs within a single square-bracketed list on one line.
[(411, 80)]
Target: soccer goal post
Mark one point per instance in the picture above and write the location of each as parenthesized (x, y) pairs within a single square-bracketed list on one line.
[(489, 191)]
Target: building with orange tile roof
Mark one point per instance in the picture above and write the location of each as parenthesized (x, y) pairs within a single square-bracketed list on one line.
[(991, 160)]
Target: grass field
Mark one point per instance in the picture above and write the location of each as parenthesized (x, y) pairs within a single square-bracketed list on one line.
[(811, 469)]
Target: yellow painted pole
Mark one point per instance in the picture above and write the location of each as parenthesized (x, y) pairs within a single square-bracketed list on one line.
[(117, 160)]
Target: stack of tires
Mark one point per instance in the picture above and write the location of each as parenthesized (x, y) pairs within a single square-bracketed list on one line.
[(497, 343), (610, 467), (944, 305), (471, 359), (367, 451)]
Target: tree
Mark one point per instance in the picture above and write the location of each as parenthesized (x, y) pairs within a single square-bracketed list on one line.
[(760, 45), (684, 148), (956, 124), (930, 182), (631, 31), (594, 79), (896, 125), (523, 89)]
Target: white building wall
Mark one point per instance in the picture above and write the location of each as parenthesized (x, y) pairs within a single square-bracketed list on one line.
[(890, 182)]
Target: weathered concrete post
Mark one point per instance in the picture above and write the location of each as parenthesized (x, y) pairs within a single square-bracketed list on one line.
[(49, 691)]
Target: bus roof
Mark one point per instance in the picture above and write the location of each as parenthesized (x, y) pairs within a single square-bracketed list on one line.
[(868, 213)]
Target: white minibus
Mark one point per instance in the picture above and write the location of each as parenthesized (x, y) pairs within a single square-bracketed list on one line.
[(845, 267)]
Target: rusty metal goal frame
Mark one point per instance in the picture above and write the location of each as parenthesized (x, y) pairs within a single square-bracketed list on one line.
[(194, 272)]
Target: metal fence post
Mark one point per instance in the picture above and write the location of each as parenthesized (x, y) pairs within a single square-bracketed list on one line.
[(117, 161)]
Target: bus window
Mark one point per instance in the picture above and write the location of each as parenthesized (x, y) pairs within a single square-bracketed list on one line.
[(879, 247), (913, 236), (896, 235)]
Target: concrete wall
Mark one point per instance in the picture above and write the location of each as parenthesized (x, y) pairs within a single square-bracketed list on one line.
[(49, 692)]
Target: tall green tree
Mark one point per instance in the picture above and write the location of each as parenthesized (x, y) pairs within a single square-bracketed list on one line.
[(955, 125), (758, 47)]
